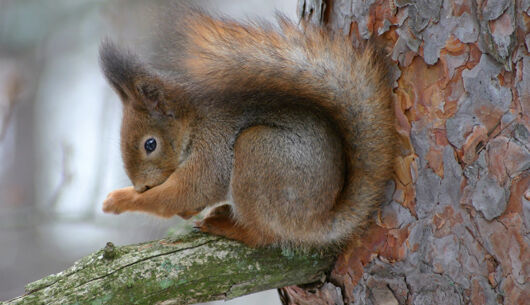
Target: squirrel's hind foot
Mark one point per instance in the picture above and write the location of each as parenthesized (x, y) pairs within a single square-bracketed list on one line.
[(220, 222)]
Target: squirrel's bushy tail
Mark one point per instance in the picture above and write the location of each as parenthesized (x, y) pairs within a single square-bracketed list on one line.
[(320, 68)]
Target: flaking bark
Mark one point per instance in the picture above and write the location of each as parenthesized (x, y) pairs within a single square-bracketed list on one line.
[(456, 228)]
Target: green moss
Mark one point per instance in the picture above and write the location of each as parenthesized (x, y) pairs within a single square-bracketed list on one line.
[(195, 268), (166, 283), (42, 283), (102, 300)]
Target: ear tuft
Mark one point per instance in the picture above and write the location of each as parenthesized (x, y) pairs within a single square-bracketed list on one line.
[(136, 83), (121, 68)]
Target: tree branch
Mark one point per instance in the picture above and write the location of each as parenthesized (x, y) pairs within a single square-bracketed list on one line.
[(187, 269)]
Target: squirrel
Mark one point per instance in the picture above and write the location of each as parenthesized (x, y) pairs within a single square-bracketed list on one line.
[(291, 124)]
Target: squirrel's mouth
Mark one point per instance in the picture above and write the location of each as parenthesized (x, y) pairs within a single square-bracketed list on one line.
[(150, 182), (141, 188)]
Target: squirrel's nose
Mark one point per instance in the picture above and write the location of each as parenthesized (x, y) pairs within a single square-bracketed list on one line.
[(140, 188)]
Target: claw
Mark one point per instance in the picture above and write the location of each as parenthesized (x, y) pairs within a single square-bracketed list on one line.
[(198, 225)]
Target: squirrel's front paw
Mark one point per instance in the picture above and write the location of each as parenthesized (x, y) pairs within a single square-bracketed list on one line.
[(119, 201)]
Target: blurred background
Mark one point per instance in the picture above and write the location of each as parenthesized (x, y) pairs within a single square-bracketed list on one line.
[(59, 132)]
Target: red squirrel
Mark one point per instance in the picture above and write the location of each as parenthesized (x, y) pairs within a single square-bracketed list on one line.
[(293, 125)]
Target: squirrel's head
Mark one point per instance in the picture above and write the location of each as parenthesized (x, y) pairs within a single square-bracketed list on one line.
[(152, 139)]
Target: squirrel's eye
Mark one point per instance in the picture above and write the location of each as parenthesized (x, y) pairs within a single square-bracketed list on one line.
[(150, 145)]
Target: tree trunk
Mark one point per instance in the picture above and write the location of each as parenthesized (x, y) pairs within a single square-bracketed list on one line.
[(457, 228)]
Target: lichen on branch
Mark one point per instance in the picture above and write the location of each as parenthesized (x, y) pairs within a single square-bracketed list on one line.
[(181, 270)]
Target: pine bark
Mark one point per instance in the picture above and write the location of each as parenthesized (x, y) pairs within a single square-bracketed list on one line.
[(456, 230)]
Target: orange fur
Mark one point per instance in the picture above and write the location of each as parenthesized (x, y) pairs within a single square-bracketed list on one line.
[(293, 125)]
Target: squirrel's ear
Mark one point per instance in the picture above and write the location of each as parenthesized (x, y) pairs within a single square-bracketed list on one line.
[(133, 80)]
